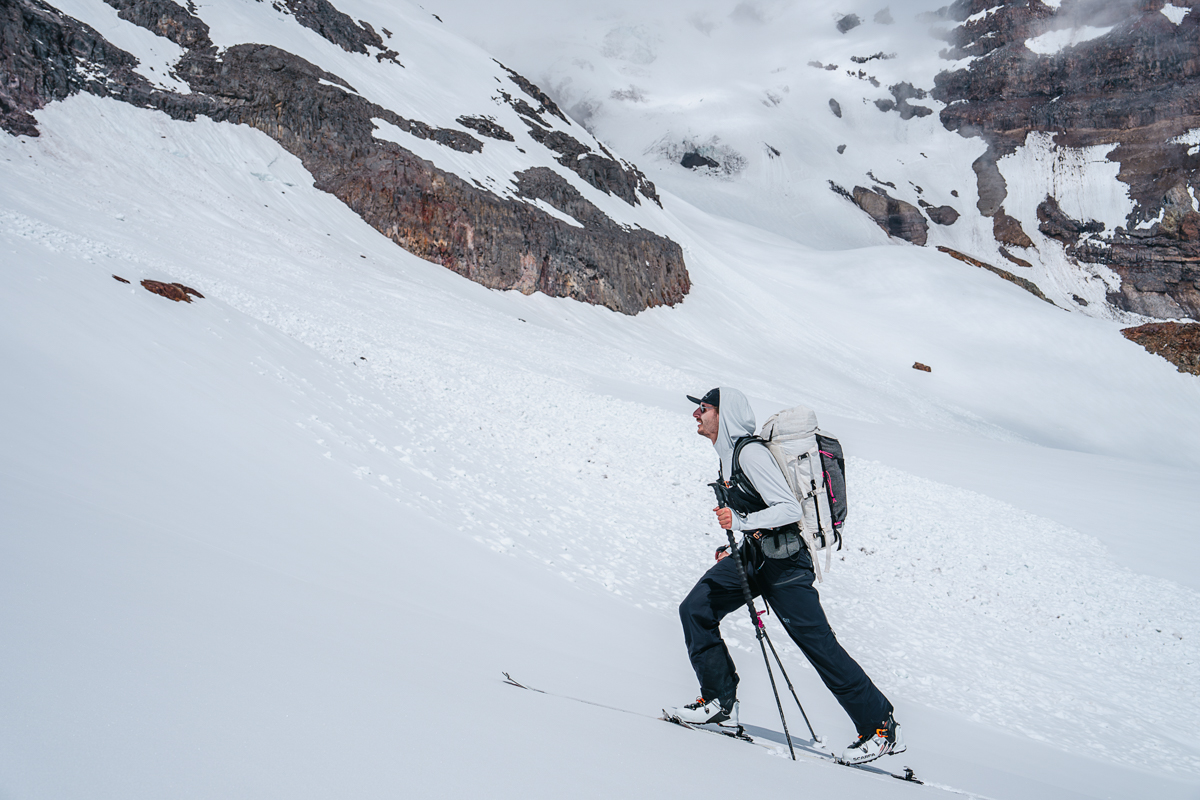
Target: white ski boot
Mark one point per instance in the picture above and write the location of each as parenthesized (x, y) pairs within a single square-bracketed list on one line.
[(884, 740), (702, 712)]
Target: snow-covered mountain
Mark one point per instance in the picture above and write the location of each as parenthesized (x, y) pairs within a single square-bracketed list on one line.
[(282, 539), (442, 152), (1052, 140)]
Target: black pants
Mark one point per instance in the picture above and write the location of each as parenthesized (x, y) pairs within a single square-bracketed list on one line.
[(787, 584)]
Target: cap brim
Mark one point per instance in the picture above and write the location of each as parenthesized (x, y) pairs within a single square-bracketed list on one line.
[(695, 400)]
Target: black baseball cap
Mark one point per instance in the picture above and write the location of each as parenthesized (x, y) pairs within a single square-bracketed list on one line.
[(713, 398)]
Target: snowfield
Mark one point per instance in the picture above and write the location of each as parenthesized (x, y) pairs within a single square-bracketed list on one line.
[(282, 541)]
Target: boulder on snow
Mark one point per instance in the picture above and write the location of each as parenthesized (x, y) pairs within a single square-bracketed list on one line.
[(923, 368), (172, 291)]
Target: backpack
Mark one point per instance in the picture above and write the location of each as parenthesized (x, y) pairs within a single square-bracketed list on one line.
[(815, 469)]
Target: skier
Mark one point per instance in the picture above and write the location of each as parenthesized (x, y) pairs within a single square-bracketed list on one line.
[(761, 504)]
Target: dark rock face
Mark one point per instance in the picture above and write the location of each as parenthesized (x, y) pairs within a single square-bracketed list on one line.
[(942, 215), (693, 159), (485, 126), (1054, 223), (835, 107), (38, 53), (1137, 87), (602, 171), (498, 242), (167, 19), (322, 17), (898, 218), (848, 22), (903, 92), (1177, 343)]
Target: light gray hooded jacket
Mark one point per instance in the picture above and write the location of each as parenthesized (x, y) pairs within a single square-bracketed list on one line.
[(736, 419)]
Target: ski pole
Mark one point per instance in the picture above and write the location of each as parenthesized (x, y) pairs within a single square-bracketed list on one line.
[(789, 685), (759, 631)]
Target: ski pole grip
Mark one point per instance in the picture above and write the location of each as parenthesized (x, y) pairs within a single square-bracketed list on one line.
[(719, 491)]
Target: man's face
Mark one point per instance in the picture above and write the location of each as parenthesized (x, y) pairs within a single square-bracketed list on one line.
[(707, 421)]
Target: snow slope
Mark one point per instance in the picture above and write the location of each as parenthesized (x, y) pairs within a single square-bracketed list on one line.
[(283, 540)]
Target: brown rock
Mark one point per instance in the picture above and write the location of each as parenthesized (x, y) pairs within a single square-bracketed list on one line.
[(171, 291), (1178, 343), (119, 278), (1027, 285), (1189, 226), (1020, 262), (897, 218), (922, 367), (1008, 230)]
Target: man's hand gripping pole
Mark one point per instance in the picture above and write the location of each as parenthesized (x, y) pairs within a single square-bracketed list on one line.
[(759, 630)]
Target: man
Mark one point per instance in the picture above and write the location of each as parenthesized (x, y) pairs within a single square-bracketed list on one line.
[(779, 568)]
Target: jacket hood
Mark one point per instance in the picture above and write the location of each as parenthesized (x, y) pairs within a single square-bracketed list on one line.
[(736, 419)]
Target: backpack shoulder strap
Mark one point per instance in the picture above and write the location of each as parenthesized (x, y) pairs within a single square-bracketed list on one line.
[(734, 464)]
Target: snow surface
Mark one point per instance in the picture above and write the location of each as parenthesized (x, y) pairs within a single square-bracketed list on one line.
[(282, 541), (1051, 42), (1174, 13)]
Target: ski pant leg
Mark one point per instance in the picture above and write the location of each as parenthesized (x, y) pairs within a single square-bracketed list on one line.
[(789, 589), (711, 599)]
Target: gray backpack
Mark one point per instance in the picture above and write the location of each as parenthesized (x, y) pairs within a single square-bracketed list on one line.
[(815, 469)]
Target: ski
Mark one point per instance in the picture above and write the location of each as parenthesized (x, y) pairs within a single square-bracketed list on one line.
[(733, 733), (738, 733)]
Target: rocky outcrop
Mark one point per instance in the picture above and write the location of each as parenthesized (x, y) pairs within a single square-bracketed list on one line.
[(1177, 343), (1020, 262), (848, 22), (1137, 87), (503, 243), (898, 218), (172, 291), (486, 126), (692, 160), (1027, 285), (903, 92), (942, 215), (1008, 230), (603, 171), (1054, 223), (167, 19)]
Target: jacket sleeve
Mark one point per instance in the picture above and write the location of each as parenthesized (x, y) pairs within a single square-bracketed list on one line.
[(782, 507)]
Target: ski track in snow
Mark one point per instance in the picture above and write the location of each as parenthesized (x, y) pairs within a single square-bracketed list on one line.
[(949, 598)]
